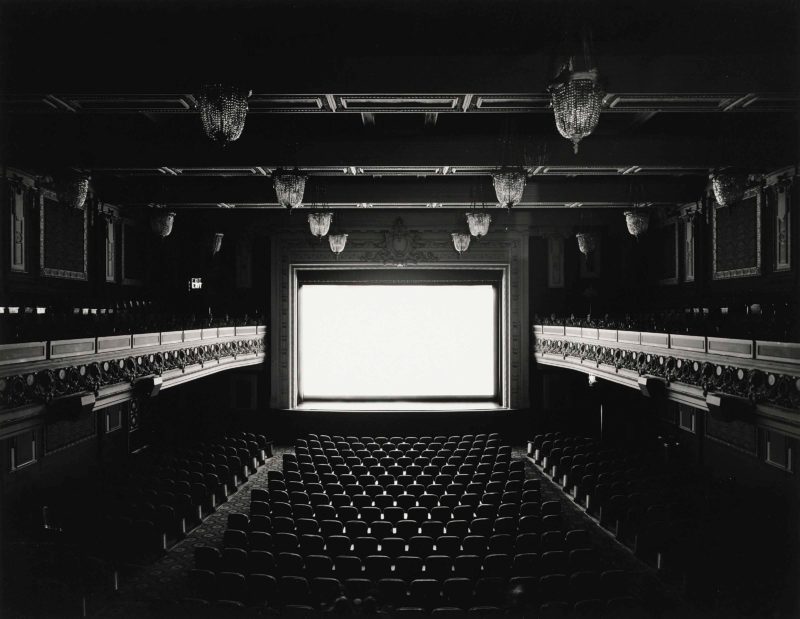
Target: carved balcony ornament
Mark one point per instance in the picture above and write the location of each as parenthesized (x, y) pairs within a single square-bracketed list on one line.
[(337, 243), (587, 242), (320, 223), (460, 242), (729, 185), (289, 186), (637, 221), (478, 222), (223, 110), (72, 188), (161, 220)]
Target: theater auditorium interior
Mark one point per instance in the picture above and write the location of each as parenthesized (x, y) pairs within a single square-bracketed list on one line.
[(399, 309)]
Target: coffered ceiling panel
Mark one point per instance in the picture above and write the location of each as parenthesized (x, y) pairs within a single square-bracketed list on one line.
[(398, 103)]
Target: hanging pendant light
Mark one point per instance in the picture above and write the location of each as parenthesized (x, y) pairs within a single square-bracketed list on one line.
[(320, 223), (637, 222), (478, 223), (161, 221), (461, 241), (729, 186), (576, 104), (575, 92), (216, 244), (508, 186), (337, 243), (587, 242), (72, 189), (289, 187), (223, 110)]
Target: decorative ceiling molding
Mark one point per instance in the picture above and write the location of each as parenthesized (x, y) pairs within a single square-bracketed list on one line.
[(413, 205), (413, 171), (449, 103)]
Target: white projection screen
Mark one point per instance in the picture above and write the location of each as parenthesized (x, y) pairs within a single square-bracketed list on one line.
[(410, 342)]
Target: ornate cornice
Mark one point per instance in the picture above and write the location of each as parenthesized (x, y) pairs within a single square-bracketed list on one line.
[(419, 244)]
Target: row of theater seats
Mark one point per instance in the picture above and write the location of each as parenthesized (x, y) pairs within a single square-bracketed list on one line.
[(455, 525), (522, 593), (648, 506), (132, 513)]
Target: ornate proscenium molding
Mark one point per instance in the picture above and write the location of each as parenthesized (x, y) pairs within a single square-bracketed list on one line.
[(399, 246), (420, 243), (33, 382), (692, 366)]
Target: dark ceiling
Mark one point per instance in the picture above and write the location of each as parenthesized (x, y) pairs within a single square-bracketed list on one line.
[(396, 102)]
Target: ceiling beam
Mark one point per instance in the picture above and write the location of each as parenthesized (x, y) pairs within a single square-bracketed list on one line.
[(393, 190), (431, 104), (136, 151)]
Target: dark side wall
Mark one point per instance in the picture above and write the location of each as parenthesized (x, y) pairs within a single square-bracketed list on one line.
[(146, 267)]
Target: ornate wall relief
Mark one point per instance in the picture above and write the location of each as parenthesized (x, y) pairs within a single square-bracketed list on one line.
[(782, 229), (736, 237), (63, 238), (18, 196)]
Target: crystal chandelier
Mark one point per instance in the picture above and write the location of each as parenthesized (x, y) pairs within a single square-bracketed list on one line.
[(161, 222), (289, 187), (478, 223), (587, 242), (461, 241), (637, 222), (728, 187), (223, 110), (216, 244), (576, 102), (337, 243), (73, 189), (320, 223), (509, 185)]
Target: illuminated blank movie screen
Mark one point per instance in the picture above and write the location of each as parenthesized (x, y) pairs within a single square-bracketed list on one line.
[(402, 341)]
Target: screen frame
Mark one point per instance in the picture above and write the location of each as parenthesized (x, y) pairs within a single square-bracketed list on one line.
[(442, 274)]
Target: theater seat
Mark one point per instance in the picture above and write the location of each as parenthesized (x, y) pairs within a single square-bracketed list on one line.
[(458, 592)]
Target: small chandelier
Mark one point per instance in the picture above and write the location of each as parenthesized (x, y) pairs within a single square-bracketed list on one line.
[(223, 110), (728, 187), (216, 244), (337, 243), (320, 223), (478, 223), (161, 222), (73, 189), (637, 222), (587, 242), (509, 185), (576, 102), (461, 241), (289, 188)]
